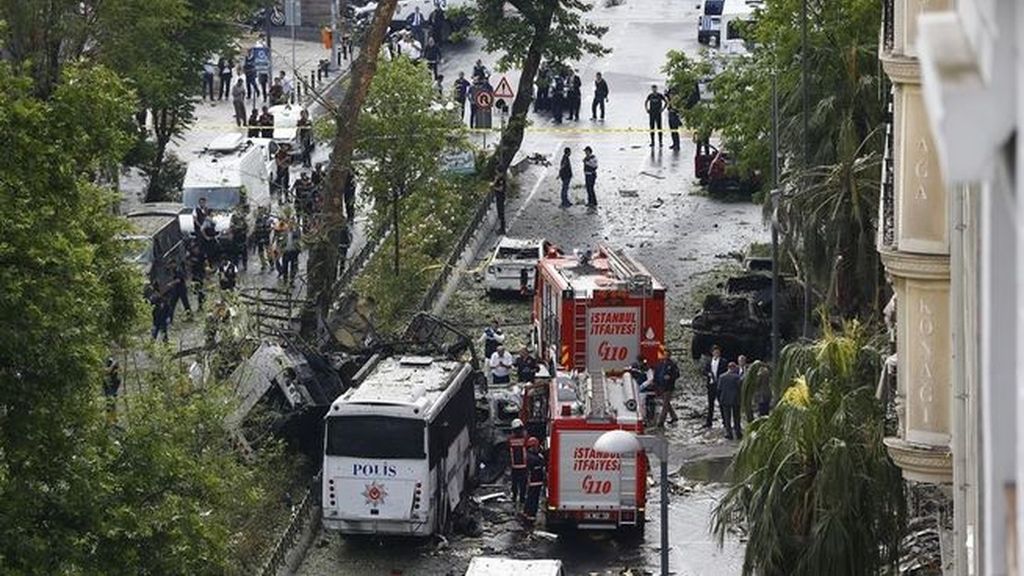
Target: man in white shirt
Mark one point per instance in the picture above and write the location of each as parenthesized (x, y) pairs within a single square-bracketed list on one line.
[(501, 366)]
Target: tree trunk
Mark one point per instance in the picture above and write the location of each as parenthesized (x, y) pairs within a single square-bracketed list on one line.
[(322, 265), (394, 217), (163, 129), (512, 136)]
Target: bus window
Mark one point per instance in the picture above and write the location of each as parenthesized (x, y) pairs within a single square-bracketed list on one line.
[(375, 437)]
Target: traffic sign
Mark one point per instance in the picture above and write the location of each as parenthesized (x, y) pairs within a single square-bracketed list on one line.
[(484, 99), (260, 56), (504, 89)]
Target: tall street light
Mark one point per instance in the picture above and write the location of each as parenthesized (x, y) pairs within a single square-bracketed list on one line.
[(623, 443)]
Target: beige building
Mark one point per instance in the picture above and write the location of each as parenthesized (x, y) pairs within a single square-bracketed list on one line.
[(951, 240)]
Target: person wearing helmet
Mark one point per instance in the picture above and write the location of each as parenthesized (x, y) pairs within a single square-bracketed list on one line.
[(517, 461), (536, 476)]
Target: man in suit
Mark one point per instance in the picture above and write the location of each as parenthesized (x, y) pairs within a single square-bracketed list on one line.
[(729, 386), (715, 367)]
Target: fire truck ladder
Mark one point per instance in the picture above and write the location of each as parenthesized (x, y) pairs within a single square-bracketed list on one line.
[(639, 282), (627, 490), (579, 334)]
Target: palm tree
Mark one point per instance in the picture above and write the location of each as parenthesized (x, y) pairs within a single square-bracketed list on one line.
[(812, 481)]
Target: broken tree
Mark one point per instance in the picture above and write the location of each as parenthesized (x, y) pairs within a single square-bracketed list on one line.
[(322, 266)]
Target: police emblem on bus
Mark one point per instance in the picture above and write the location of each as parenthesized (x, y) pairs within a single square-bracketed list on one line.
[(375, 493)]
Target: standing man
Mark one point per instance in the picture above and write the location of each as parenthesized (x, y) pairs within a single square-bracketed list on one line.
[(517, 461), (674, 123), (252, 89), (565, 175), (159, 303), (665, 377), (655, 105), (741, 365), (600, 96), (111, 385), (254, 124), (209, 71), (590, 175), (493, 337), (416, 25), (501, 366), (282, 163), (729, 387), (575, 96), (261, 235), (557, 98), (350, 195), (543, 89), (238, 101), (526, 366), (267, 123), (536, 477), (499, 201), (712, 370), (225, 67), (290, 254), (305, 126), (461, 91)]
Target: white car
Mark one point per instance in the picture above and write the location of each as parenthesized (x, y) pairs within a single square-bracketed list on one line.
[(513, 265)]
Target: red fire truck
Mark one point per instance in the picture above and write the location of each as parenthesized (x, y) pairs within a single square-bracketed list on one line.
[(586, 488), (597, 311)]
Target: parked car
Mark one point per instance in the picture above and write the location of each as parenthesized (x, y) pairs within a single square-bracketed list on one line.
[(513, 265)]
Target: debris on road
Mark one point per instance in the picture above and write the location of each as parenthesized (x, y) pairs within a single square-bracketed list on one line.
[(658, 176), (629, 192)]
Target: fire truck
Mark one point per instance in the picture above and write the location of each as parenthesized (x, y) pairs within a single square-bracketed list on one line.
[(597, 311), (588, 489)]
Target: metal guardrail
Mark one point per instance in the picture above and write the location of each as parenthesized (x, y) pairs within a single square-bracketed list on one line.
[(306, 511)]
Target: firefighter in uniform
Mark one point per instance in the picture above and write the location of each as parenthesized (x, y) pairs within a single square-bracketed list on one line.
[(517, 461), (536, 478)]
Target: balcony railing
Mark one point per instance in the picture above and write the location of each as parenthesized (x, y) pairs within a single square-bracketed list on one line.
[(888, 24), (888, 211)]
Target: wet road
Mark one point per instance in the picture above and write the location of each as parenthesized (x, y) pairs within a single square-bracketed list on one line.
[(649, 205)]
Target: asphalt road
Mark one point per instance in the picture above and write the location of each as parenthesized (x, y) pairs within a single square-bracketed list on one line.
[(649, 205)]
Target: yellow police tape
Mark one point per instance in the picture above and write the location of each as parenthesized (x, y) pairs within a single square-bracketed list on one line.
[(566, 129)]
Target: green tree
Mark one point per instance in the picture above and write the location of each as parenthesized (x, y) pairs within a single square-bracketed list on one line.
[(159, 47), (526, 32), (161, 491), (828, 208), (812, 482), (402, 109)]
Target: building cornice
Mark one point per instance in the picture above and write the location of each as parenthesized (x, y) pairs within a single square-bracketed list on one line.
[(918, 266), (901, 69), (919, 463)]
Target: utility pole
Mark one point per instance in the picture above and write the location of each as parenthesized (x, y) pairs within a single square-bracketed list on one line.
[(805, 93), (334, 33), (775, 219), (270, 52)]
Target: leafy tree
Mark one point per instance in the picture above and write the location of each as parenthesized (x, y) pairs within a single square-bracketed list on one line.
[(402, 108), (813, 483), (161, 491), (527, 32), (322, 265), (159, 47), (828, 208)]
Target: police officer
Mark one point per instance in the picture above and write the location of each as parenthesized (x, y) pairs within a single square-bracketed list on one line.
[(517, 461), (655, 106), (557, 98), (535, 478), (261, 235), (590, 175)]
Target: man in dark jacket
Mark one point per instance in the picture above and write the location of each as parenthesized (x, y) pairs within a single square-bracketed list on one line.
[(600, 96), (714, 368), (729, 387), (565, 175), (536, 477), (665, 376)]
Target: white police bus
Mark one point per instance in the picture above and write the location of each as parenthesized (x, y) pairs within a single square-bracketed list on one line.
[(398, 448)]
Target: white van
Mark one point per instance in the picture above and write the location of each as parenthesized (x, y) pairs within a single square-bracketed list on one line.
[(497, 566)]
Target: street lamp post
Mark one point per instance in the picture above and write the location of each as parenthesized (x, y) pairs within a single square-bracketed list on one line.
[(621, 442)]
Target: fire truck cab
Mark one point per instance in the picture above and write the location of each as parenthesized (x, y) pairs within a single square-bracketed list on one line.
[(588, 489), (597, 311)]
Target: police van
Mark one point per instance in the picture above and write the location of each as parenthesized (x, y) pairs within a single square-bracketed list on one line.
[(232, 172), (728, 15), (398, 447)]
